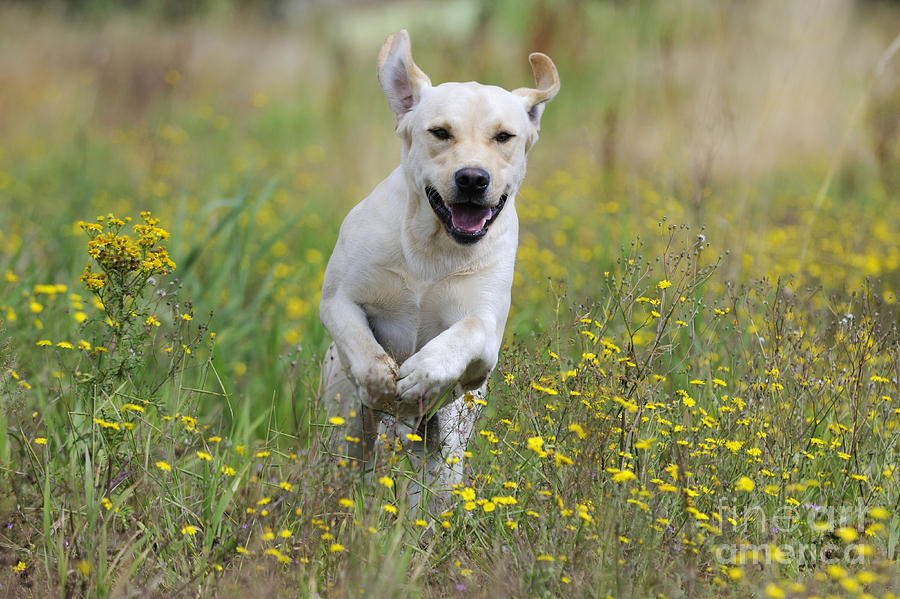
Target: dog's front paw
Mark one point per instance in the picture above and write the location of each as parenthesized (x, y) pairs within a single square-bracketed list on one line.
[(424, 380), (377, 381)]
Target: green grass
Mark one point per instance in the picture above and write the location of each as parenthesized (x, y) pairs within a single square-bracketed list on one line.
[(698, 391)]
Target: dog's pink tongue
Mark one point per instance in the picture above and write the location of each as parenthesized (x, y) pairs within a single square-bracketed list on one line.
[(469, 217)]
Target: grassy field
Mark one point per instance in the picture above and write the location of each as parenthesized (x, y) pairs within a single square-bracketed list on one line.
[(698, 396)]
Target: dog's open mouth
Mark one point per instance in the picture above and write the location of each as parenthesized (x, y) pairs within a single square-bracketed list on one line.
[(465, 222)]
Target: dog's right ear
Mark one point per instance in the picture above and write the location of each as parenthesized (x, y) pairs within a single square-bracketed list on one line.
[(400, 78)]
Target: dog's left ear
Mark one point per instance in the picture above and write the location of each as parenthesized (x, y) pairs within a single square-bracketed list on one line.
[(547, 79), (400, 78)]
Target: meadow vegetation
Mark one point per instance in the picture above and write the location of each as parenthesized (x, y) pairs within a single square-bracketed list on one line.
[(698, 393)]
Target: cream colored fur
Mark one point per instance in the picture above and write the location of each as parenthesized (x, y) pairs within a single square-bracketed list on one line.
[(416, 316)]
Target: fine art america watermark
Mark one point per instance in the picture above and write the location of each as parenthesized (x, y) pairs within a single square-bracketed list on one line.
[(804, 534)]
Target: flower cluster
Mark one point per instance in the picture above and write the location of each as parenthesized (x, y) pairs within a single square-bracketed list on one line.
[(119, 256)]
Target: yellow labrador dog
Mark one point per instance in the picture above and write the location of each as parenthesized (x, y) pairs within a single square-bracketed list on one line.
[(417, 290)]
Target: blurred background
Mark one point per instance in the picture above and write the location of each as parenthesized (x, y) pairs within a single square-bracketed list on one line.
[(252, 126), (733, 88)]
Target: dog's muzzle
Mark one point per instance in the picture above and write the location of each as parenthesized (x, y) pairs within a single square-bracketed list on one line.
[(466, 222)]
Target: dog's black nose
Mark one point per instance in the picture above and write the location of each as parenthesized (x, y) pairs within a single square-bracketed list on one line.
[(472, 180)]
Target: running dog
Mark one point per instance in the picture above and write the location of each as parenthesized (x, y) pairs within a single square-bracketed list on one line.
[(417, 290)]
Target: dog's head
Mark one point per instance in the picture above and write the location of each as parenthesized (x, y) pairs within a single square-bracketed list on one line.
[(464, 144)]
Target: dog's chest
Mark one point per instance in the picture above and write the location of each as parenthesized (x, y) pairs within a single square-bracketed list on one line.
[(408, 312)]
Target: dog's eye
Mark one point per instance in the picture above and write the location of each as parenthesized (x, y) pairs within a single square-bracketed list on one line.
[(503, 137), (440, 133)]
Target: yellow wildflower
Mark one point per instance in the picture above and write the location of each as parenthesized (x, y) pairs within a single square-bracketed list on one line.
[(745, 484)]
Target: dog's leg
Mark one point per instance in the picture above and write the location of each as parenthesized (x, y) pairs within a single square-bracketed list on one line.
[(465, 353), (373, 370), (455, 424), (439, 458), (341, 399)]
